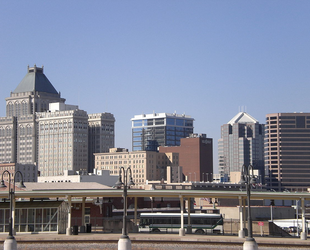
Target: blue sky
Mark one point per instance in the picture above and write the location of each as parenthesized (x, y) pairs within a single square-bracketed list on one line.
[(202, 58)]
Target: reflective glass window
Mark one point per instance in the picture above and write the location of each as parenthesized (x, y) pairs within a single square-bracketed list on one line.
[(179, 122), (137, 123), (170, 121)]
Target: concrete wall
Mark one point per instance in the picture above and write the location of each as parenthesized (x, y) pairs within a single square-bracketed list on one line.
[(260, 212)]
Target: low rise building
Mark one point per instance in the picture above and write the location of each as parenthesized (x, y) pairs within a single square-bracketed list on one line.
[(29, 171), (99, 176), (145, 165)]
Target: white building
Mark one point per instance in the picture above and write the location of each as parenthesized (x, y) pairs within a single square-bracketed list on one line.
[(99, 176)]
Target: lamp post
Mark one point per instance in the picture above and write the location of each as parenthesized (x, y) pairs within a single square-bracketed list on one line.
[(248, 178), (124, 242), (10, 242)]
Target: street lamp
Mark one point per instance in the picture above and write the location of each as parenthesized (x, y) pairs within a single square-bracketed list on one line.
[(248, 179), (124, 242), (10, 242)]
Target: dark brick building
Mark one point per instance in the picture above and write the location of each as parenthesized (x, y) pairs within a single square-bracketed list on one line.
[(195, 156)]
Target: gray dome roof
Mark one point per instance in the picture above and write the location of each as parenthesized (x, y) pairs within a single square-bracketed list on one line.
[(35, 81)]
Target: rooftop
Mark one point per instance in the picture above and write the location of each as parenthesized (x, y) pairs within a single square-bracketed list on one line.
[(242, 117), (35, 81)]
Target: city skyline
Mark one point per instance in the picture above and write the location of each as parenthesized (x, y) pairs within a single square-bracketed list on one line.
[(205, 59)]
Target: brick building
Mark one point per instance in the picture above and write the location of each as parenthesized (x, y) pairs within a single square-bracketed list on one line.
[(195, 157)]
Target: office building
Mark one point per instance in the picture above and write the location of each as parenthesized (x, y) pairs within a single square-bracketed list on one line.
[(149, 131), (241, 143), (195, 157), (18, 142), (63, 141), (40, 129), (145, 165), (100, 136), (287, 151)]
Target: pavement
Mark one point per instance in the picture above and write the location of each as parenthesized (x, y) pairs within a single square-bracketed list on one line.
[(160, 237)]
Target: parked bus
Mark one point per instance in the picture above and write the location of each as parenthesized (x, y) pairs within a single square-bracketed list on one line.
[(171, 222)]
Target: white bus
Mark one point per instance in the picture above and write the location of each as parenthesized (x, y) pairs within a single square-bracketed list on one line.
[(171, 222)]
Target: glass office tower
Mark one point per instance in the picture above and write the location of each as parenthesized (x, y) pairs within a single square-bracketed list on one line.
[(149, 131)]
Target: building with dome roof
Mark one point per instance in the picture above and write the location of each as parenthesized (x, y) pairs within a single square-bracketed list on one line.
[(241, 142)]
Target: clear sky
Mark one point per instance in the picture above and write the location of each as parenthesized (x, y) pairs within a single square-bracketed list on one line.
[(206, 59)]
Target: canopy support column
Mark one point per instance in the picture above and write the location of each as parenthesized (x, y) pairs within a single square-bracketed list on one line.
[(189, 226), (181, 230), (241, 233), (82, 229), (303, 235), (69, 232)]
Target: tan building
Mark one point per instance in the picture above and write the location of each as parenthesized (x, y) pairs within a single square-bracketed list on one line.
[(18, 142), (40, 129), (145, 165), (63, 141)]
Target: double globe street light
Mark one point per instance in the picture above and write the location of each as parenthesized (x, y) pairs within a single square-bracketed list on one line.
[(248, 179), (10, 242), (124, 242)]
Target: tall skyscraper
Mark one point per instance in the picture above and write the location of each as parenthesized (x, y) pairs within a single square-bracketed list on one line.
[(287, 151), (18, 133), (149, 131), (242, 142), (40, 129)]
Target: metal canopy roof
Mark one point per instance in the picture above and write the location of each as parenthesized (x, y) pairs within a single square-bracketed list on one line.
[(156, 193)]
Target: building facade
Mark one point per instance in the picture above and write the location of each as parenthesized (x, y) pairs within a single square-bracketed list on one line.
[(149, 131), (145, 165), (63, 141), (287, 151), (40, 129), (196, 157), (29, 171), (241, 143), (99, 176), (18, 129), (100, 135)]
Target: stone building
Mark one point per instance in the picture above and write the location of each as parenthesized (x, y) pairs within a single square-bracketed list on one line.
[(40, 129), (144, 165)]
